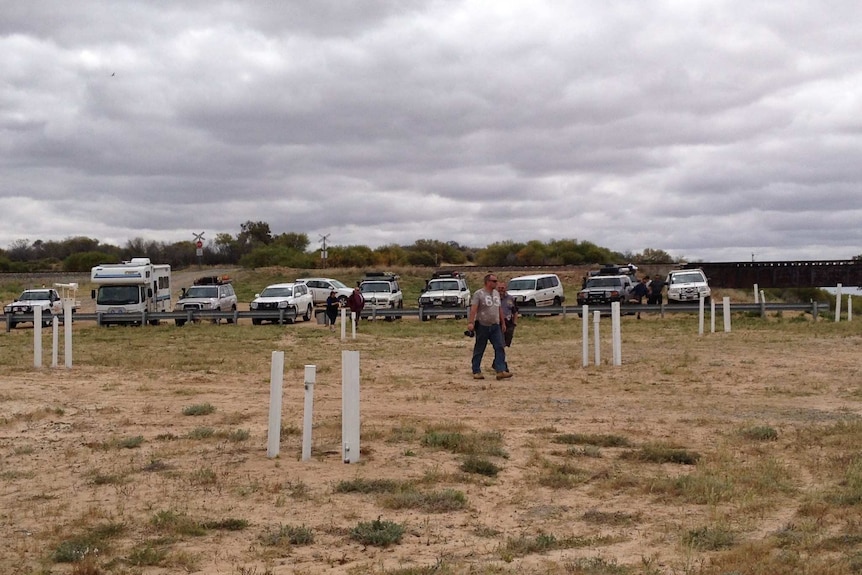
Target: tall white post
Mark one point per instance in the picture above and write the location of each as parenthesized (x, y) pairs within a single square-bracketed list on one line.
[(756, 294), (700, 315), (616, 333), (68, 304), (712, 315), (353, 323), (725, 302), (37, 336), (307, 417), (55, 340), (849, 307), (350, 406), (838, 304), (276, 379), (585, 336), (597, 342), (343, 323)]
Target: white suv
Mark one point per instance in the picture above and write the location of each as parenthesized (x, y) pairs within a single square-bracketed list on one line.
[(381, 291), (446, 293), (207, 294), (537, 290), (321, 287), (687, 286), (288, 296)]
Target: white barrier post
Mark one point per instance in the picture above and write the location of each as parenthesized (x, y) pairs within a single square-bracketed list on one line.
[(725, 302), (712, 315), (307, 417), (55, 340), (616, 333), (343, 323), (350, 406), (849, 308), (37, 336), (597, 342), (585, 348), (838, 304), (756, 294), (700, 315), (276, 379), (68, 304), (353, 315)]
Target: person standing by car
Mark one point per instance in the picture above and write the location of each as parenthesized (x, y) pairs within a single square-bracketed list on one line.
[(640, 291), (655, 288), (487, 323), (510, 313), (332, 308), (356, 302)]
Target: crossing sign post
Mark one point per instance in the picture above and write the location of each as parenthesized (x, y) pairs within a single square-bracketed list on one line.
[(199, 246)]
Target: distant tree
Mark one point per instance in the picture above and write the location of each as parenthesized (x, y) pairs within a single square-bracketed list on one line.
[(85, 261), (499, 254), (20, 250), (390, 255), (350, 256), (264, 256), (294, 241), (653, 256), (533, 254), (254, 234)]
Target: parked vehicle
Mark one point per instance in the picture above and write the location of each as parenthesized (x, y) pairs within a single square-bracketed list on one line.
[(445, 293), (320, 289), (46, 298), (604, 290), (287, 296), (208, 293), (133, 286), (381, 291), (687, 286), (537, 290)]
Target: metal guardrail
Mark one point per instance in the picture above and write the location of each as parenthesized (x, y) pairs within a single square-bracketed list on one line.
[(285, 316)]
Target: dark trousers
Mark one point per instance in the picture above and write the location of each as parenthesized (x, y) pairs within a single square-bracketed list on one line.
[(484, 334), (510, 332)]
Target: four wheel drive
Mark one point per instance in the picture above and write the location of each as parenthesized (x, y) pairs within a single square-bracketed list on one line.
[(445, 293), (687, 286), (46, 298), (212, 293), (381, 291), (320, 289), (287, 296), (604, 290)]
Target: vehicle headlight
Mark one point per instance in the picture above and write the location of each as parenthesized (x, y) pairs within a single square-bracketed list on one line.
[(450, 298), (7, 309), (253, 305), (282, 304)]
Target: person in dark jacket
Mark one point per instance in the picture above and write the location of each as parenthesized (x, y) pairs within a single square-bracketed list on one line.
[(510, 312), (356, 302), (639, 292), (655, 288), (332, 308)]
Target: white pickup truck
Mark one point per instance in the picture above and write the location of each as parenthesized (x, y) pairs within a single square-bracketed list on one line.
[(46, 298)]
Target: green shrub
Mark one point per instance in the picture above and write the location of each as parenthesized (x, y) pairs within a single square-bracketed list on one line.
[(378, 533)]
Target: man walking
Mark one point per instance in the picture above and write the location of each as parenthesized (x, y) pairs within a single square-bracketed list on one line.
[(488, 323), (356, 302), (510, 313)]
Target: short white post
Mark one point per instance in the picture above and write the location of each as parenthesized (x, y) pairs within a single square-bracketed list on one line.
[(712, 315), (68, 304), (597, 342), (350, 406), (838, 304), (725, 302), (343, 323), (700, 315), (585, 345), (276, 379), (616, 333), (756, 294), (37, 336), (849, 307), (353, 315), (307, 417), (55, 340)]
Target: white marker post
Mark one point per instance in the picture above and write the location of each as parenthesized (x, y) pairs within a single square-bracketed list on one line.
[(37, 336), (343, 323), (838, 304), (68, 304), (350, 406), (725, 302), (55, 340), (712, 315), (616, 335), (849, 308), (585, 347), (307, 417), (276, 379), (597, 342), (700, 315), (756, 294), (353, 317)]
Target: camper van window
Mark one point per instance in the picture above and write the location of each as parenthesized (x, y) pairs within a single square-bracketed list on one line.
[(117, 295)]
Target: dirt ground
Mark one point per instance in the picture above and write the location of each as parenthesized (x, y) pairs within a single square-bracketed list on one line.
[(69, 460)]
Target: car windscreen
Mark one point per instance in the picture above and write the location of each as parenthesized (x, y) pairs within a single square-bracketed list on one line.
[(374, 287), (338, 284), (693, 277), (515, 285), (440, 285), (35, 295), (202, 291), (118, 295), (277, 292), (599, 281)]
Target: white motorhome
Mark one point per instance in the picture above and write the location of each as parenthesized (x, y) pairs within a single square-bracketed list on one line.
[(131, 287)]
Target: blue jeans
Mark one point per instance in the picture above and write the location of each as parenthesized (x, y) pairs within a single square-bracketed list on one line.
[(494, 334)]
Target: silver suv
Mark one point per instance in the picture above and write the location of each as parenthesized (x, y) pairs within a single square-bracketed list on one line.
[(381, 291), (321, 287), (685, 286), (445, 293), (211, 293)]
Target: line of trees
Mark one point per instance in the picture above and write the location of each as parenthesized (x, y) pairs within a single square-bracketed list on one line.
[(257, 246)]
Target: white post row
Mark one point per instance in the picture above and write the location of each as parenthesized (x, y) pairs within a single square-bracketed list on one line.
[(725, 302), (616, 339), (597, 342), (350, 406), (585, 336), (55, 340), (276, 379), (68, 304), (756, 294), (838, 304), (353, 323), (712, 315), (343, 323), (308, 410), (37, 336), (700, 315), (849, 308)]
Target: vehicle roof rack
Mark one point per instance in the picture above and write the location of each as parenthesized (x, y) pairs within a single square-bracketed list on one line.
[(447, 274), (212, 280)]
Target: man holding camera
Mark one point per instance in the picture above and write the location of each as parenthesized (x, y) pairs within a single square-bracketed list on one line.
[(488, 324)]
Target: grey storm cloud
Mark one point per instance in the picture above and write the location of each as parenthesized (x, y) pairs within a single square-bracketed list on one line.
[(712, 131)]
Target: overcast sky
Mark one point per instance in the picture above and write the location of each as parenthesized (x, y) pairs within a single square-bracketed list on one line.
[(713, 130)]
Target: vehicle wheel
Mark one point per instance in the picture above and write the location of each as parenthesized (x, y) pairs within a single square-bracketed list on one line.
[(391, 317), (423, 315), (155, 322), (307, 316), (12, 324), (342, 301), (180, 322), (230, 319), (400, 306), (255, 321)]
